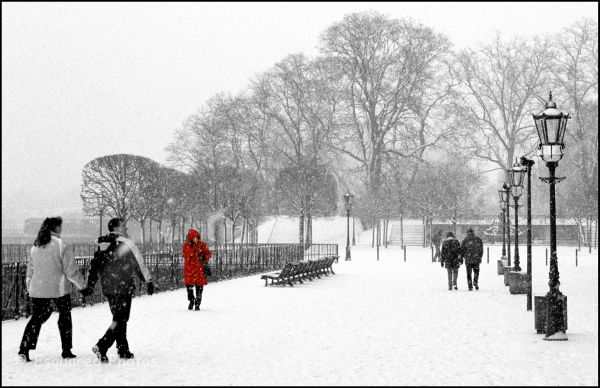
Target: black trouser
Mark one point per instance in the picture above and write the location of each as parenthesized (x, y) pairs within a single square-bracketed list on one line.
[(190, 293), (42, 309), (437, 255), (475, 269), (120, 307), (452, 276)]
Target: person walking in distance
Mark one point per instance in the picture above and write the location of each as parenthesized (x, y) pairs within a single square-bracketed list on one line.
[(471, 250), (451, 259), (116, 261), (50, 272), (195, 258), (436, 240)]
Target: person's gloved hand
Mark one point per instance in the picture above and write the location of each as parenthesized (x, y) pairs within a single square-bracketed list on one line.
[(87, 291), (150, 288)]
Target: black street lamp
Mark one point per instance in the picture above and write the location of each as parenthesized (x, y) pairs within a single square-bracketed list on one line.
[(502, 200), (101, 206), (516, 175), (348, 198), (353, 235), (507, 192), (551, 125), (528, 163)]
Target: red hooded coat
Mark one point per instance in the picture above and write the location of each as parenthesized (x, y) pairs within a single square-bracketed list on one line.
[(193, 275)]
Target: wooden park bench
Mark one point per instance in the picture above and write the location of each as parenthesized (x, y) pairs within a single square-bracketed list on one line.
[(297, 271)]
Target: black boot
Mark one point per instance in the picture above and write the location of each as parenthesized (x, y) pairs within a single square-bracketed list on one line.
[(67, 354), (125, 354), (24, 355), (190, 294), (199, 290), (101, 354)]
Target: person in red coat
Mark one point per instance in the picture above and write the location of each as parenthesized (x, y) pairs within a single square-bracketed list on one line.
[(195, 256)]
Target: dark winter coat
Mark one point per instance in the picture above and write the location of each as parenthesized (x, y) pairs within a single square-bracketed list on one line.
[(451, 253), (471, 249), (116, 262), (194, 259)]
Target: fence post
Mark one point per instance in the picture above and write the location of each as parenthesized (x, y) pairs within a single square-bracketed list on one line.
[(488, 255), (575, 257)]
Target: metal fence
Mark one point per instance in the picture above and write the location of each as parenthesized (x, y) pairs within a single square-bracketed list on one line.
[(164, 262)]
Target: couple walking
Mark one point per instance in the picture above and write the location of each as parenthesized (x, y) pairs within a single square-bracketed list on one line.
[(117, 261), (453, 253), (52, 269)]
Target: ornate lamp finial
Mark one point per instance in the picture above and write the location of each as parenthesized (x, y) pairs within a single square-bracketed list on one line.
[(550, 103)]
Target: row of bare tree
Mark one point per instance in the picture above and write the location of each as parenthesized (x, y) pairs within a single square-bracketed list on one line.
[(390, 112)]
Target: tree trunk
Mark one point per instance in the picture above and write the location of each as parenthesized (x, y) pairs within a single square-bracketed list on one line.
[(301, 229), (589, 223), (182, 230), (596, 236), (159, 235), (387, 230), (173, 221), (142, 231), (373, 235), (402, 231), (243, 231), (308, 230), (233, 237)]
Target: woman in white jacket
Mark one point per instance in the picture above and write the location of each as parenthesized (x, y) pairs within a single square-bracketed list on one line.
[(50, 272)]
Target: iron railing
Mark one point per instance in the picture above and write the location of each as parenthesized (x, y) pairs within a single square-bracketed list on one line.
[(165, 264)]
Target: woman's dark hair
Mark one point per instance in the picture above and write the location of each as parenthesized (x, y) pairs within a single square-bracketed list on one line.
[(114, 223), (47, 227)]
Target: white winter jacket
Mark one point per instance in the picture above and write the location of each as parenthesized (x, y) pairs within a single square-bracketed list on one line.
[(51, 270)]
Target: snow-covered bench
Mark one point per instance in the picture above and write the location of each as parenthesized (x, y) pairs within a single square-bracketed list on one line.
[(299, 270)]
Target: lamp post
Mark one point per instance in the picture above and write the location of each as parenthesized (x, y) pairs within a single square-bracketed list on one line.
[(507, 192), (353, 235), (516, 189), (528, 163), (348, 198), (101, 210), (225, 235), (551, 125), (502, 200)]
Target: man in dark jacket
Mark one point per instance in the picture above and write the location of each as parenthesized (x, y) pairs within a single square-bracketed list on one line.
[(116, 261), (451, 259), (471, 250)]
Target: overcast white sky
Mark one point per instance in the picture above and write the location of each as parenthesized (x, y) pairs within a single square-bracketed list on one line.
[(83, 80)]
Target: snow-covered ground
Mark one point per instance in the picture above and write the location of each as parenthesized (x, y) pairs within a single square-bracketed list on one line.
[(385, 322)]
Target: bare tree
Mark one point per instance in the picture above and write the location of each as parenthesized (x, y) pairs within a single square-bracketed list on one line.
[(116, 180), (148, 191), (575, 74), (386, 64), (301, 119), (501, 83)]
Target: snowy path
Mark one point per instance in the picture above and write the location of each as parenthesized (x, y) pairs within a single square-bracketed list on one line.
[(373, 323)]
